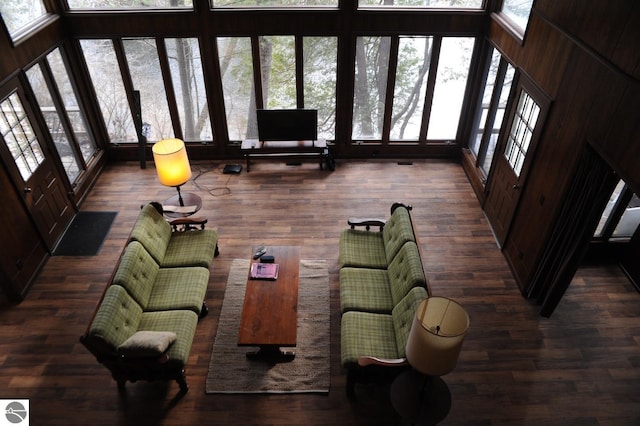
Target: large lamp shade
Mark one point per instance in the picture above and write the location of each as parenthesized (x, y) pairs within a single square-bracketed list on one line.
[(436, 336), (172, 163)]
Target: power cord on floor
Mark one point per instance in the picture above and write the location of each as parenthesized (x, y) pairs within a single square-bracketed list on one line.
[(217, 191)]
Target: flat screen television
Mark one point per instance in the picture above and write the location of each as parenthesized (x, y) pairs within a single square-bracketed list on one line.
[(287, 124)]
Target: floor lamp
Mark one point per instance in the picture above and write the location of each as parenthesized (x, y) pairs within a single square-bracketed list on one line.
[(172, 165), (433, 347)]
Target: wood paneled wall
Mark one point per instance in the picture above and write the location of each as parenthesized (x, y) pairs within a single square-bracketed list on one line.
[(584, 55)]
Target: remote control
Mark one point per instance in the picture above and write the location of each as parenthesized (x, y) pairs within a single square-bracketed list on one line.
[(261, 250)]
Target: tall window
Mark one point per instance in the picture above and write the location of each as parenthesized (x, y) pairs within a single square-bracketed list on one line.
[(372, 69), (61, 110), (280, 70), (320, 74), (143, 63), (101, 60), (188, 85), (451, 81), (146, 75), (491, 110), (426, 92), (18, 16), (414, 60), (238, 87)]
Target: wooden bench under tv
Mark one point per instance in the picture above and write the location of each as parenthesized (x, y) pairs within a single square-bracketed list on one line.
[(289, 150)]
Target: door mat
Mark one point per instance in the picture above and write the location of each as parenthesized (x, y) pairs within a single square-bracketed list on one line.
[(85, 234)]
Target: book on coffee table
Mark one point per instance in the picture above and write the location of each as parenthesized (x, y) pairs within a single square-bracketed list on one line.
[(264, 271)]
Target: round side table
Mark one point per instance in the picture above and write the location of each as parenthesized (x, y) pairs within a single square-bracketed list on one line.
[(188, 199)]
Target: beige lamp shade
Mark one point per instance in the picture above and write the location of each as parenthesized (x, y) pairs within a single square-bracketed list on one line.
[(436, 336), (172, 163)]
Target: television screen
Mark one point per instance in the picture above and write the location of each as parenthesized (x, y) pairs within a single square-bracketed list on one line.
[(287, 124)]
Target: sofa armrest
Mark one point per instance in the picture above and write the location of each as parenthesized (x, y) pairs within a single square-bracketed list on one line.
[(366, 222), (365, 361)]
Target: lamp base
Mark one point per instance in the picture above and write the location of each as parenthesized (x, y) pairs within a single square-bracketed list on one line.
[(421, 399)]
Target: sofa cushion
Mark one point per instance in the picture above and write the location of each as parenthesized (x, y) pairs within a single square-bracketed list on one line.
[(182, 322), (367, 334), (117, 317), (362, 249), (372, 249), (364, 289), (190, 248), (137, 273), (147, 344), (397, 231), (179, 288), (405, 272), (403, 314), (152, 231)]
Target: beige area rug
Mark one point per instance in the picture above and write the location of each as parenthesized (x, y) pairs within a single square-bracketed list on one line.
[(309, 372)]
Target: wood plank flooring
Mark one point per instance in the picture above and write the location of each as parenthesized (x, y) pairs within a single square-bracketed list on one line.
[(580, 367)]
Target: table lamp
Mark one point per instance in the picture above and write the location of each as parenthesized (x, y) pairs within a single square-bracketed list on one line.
[(432, 349), (172, 164)]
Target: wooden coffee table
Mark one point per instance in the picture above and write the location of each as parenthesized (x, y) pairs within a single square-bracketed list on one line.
[(270, 311)]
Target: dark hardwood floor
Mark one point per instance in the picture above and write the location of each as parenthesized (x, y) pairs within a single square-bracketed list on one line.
[(580, 367)]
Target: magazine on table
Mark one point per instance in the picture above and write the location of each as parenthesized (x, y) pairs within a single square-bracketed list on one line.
[(264, 271)]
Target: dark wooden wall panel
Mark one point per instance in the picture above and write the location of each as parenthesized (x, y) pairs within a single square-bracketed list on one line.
[(568, 51), (610, 28)]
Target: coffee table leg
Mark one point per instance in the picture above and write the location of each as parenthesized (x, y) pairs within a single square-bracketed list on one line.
[(271, 353)]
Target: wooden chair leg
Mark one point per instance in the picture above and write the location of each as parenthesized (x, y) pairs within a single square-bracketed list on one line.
[(203, 311), (182, 381)]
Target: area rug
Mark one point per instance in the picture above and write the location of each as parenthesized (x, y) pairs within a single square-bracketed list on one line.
[(85, 234), (309, 372)]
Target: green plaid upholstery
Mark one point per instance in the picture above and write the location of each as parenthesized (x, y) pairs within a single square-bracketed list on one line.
[(117, 317), (179, 288), (397, 231), (362, 249), (364, 289), (190, 248), (379, 290), (405, 271), (366, 334), (153, 232), (137, 273), (379, 335), (372, 249), (183, 323), (173, 249), (403, 315)]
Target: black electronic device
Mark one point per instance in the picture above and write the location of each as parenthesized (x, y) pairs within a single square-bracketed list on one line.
[(259, 252), (287, 124), (232, 168), (267, 259)]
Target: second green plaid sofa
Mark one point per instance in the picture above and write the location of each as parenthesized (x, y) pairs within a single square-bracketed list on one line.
[(382, 280)]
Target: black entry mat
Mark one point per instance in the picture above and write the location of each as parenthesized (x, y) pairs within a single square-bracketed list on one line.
[(85, 234)]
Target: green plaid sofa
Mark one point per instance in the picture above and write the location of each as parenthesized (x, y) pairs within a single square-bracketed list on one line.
[(144, 324), (382, 280)]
